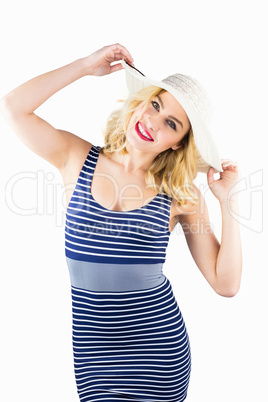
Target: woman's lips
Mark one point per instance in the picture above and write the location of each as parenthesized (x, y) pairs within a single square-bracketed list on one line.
[(139, 129)]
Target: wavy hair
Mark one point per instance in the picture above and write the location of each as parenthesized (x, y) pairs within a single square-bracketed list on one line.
[(171, 172)]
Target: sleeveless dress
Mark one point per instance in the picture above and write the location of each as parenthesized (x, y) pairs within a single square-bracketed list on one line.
[(129, 337)]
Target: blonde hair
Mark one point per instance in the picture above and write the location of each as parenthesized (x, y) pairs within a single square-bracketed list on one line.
[(171, 172)]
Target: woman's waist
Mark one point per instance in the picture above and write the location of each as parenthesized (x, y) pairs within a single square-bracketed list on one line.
[(114, 277)]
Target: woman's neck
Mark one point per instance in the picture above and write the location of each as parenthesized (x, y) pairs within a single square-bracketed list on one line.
[(135, 160)]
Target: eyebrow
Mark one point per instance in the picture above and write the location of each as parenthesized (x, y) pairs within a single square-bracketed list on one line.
[(171, 117)]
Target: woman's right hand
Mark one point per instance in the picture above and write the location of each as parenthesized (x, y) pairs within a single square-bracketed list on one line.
[(99, 62)]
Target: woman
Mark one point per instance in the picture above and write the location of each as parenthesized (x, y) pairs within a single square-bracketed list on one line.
[(129, 337)]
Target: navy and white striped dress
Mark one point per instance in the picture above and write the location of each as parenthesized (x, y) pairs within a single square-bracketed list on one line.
[(129, 337)]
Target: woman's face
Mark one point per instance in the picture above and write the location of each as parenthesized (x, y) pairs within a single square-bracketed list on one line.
[(159, 126)]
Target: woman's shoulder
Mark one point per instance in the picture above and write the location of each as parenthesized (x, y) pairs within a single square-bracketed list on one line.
[(189, 207), (78, 153)]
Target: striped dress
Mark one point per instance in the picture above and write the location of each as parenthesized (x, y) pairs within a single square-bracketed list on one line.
[(129, 337)]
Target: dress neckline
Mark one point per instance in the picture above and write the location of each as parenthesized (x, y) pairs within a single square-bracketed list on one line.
[(111, 210)]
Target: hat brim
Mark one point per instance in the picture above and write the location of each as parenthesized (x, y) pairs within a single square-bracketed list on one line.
[(202, 136)]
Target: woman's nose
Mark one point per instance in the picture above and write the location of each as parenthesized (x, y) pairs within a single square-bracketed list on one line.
[(152, 122)]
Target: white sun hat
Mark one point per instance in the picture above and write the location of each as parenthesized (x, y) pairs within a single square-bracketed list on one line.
[(194, 100)]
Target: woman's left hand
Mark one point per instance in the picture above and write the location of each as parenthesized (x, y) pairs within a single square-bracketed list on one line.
[(222, 186)]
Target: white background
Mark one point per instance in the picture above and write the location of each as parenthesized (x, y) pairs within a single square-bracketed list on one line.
[(224, 45)]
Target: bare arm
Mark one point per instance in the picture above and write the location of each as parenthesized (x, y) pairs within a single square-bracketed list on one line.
[(221, 264), (18, 106), (229, 261)]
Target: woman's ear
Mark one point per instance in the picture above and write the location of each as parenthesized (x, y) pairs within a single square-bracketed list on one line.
[(175, 147)]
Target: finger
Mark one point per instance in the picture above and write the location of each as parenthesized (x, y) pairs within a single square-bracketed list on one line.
[(211, 170), (227, 160), (210, 175), (121, 48), (229, 163), (124, 56), (117, 48), (116, 67), (118, 56)]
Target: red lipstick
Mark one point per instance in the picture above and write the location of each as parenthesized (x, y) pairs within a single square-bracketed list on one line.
[(142, 133)]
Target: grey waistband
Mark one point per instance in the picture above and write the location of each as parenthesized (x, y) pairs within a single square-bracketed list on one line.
[(114, 277)]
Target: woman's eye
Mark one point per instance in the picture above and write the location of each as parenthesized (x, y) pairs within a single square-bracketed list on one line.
[(172, 124), (155, 105)]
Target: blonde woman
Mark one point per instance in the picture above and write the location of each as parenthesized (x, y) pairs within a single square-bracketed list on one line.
[(129, 337)]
